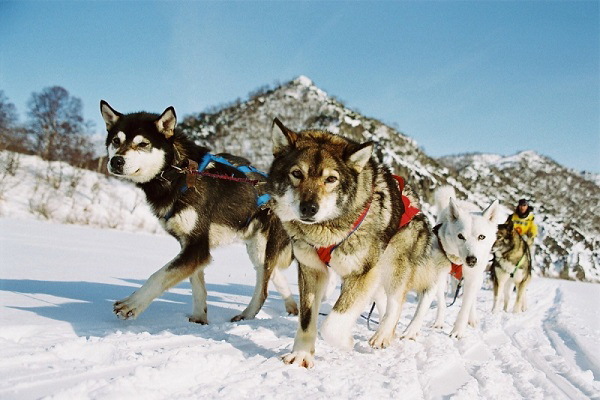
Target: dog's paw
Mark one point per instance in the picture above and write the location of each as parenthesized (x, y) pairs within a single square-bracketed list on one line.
[(240, 317), (380, 341), (474, 322), (438, 325), (300, 358), (127, 308), (410, 334), (457, 333), (202, 320), (291, 307)]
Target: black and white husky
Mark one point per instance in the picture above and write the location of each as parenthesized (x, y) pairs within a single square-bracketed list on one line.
[(201, 212)]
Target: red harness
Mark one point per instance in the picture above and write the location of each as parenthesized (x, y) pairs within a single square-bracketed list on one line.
[(409, 212)]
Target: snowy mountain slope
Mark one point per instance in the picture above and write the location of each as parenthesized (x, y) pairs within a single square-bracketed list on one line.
[(59, 338), (246, 129), (570, 221)]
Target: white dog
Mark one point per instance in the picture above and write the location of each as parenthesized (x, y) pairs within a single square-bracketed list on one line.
[(465, 236)]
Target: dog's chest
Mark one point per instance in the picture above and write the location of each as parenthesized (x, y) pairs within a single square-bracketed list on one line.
[(342, 262), (182, 223)]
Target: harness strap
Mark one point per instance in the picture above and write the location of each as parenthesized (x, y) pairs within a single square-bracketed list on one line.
[(199, 169), (325, 252), (410, 211)]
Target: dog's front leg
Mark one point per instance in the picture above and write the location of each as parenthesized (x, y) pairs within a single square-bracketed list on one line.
[(181, 267), (311, 284), (520, 303), (199, 310), (440, 316), (501, 278), (508, 287), (473, 281), (356, 292), (425, 299)]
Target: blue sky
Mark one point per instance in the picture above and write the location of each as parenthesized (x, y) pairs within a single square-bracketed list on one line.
[(495, 77)]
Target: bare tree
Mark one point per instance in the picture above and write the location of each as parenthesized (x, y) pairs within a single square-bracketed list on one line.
[(57, 126), (12, 135)]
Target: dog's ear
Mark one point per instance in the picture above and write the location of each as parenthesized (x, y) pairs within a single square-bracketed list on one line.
[(358, 156), (166, 122), (282, 137), (110, 115), (454, 210), (491, 213), (510, 225)]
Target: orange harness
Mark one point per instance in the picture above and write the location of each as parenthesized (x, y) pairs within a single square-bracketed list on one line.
[(409, 212)]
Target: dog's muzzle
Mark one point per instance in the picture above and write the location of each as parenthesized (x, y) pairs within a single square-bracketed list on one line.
[(116, 165), (471, 261), (308, 210)]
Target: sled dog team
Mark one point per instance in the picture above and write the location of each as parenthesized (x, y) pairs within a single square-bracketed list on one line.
[(329, 204)]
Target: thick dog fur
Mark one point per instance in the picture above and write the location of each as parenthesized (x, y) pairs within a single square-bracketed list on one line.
[(511, 267), (465, 236), (145, 149), (321, 183)]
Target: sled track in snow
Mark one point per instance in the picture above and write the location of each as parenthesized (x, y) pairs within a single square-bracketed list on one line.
[(542, 344)]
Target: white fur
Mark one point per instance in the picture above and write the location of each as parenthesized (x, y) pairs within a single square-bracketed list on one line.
[(337, 329), (288, 207), (135, 304), (220, 235), (182, 223), (328, 208)]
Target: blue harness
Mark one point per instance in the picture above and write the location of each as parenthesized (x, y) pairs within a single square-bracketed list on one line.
[(245, 169)]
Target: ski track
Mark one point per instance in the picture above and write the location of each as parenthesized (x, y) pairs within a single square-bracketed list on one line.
[(533, 355)]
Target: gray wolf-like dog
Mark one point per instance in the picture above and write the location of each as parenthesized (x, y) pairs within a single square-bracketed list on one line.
[(511, 267), (344, 213)]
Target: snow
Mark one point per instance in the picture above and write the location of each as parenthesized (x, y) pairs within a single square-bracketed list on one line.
[(59, 338)]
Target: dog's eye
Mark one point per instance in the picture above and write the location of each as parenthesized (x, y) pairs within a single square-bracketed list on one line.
[(481, 237), (297, 174), (116, 141), (331, 179), (461, 237), (143, 145)]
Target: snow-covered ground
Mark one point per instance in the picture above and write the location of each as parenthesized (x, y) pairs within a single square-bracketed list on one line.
[(60, 339)]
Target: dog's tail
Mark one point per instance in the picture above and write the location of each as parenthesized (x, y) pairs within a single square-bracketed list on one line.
[(441, 197)]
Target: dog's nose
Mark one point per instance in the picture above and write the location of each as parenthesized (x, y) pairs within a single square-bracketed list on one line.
[(308, 209), (117, 163), (471, 261)]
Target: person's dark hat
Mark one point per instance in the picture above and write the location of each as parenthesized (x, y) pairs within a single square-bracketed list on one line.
[(523, 202)]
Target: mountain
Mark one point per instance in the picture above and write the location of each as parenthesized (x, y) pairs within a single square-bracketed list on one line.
[(566, 201)]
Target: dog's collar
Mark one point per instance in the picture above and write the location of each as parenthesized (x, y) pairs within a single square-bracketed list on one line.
[(456, 269)]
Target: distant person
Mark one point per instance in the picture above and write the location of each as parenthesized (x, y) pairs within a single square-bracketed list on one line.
[(523, 222)]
